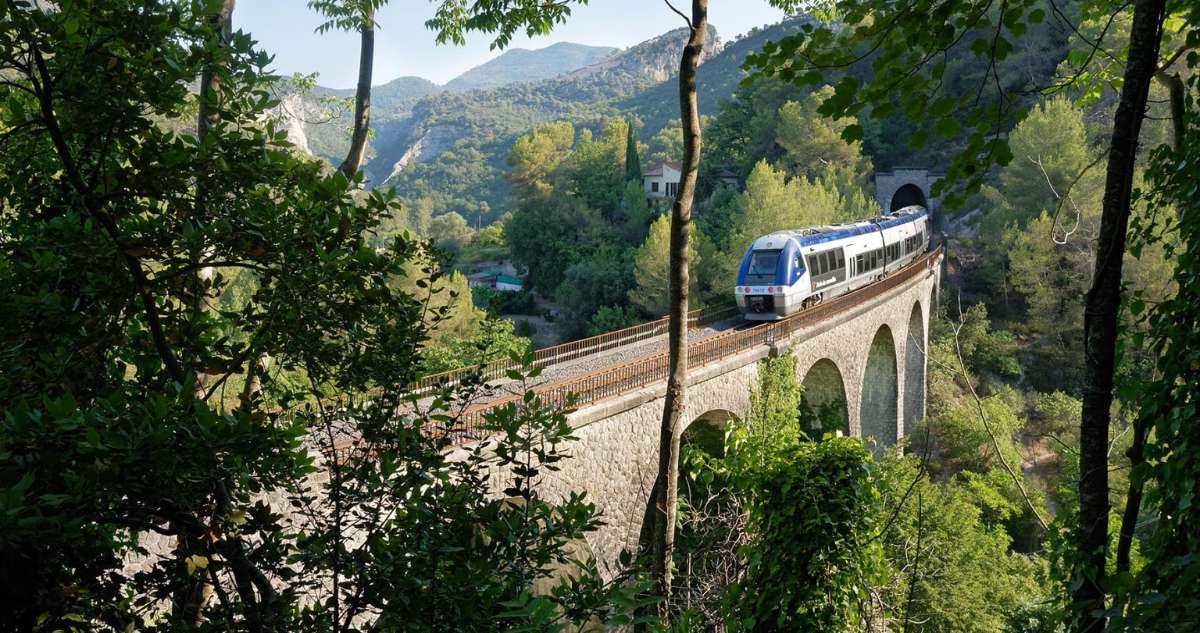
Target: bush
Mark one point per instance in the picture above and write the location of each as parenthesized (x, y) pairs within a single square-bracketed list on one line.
[(498, 303), (811, 561), (525, 329), (611, 318)]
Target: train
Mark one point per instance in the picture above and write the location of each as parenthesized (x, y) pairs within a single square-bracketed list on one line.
[(787, 271)]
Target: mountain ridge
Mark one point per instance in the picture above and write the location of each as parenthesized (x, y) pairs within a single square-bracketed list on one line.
[(522, 64)]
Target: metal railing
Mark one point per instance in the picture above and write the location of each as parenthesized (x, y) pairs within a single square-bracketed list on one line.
[(571, 350), (621, 379)]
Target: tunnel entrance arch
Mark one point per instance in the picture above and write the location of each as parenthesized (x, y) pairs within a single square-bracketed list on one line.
[(908, 195), (823, 400), (914, 369), (880, 390)]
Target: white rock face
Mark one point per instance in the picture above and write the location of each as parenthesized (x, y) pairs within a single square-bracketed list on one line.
[(291, 113)]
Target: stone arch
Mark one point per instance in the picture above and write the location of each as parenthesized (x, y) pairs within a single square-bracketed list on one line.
[(907, 195), (706, 431), (878, 412), (914, 369), (824, 399)]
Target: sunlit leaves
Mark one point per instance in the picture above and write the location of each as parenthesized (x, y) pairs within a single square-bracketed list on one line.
[(502, 18)]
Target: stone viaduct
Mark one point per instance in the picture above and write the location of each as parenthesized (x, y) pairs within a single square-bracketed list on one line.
[(870, 354)]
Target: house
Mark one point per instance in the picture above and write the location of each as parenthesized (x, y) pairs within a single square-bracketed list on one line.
[(508, 283), (662, 180), (497, 276), (727, 177)]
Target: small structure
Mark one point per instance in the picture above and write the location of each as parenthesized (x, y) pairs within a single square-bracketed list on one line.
[(500, 276), (662, 180), (727, 177)]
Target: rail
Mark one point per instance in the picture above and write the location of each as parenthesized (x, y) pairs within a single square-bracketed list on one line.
[(621, 379), (572, 350)]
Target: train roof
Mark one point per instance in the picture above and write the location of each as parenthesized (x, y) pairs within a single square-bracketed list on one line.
[(810, 236)]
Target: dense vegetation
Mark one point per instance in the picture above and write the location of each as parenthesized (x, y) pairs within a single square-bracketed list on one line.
[(202, 328)]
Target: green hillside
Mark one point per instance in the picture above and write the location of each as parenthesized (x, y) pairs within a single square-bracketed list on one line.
[(454, 146)]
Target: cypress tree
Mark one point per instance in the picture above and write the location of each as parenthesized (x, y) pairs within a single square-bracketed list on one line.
[(633, 167)]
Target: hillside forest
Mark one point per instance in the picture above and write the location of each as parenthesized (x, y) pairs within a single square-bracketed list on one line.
[(210, 321)]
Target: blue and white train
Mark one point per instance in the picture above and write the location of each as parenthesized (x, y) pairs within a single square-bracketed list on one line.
[(786, 271)]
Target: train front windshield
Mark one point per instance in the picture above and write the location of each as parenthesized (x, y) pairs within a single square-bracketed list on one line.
[(762, 267)]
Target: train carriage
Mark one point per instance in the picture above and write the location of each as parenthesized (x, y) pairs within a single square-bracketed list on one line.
[(787, 271)]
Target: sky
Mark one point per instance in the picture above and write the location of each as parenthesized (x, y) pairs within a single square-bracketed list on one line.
[(403, 46)]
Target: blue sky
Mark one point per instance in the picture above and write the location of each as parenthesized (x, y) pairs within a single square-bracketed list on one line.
[(403, 46)]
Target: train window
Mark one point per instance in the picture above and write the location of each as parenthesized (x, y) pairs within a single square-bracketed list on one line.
[(841, 258), (825, 261), (762, 267)]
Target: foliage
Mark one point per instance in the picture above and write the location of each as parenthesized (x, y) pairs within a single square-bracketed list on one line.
[(611, 319), (913, 72), (633, 166), (499, 302), (1051, 156), (953, 569), (492, 339), (448, 312), (1164, 595), (451, 232), (813, 142), (811, 560), (652, 268), (504, 18), (458, 557), (130, 499)]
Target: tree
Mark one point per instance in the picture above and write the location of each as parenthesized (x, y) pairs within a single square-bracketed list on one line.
[(814, 142), (594, 169), (114, 438), (108, 448), (667, 484), (1050, 150), (451, 231), (356, 15), (652, 268), (535, 156), (633, 167), (636, 210), (1101, 310)]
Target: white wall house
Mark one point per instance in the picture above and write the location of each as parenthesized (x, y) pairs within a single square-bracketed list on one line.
[(662, 180)]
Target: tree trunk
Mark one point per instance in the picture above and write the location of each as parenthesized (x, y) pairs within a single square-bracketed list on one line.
[(1141, 427), (681, 219), (362, 98), (1176, 91), (195, 591), (210, 80), (1100, 318)]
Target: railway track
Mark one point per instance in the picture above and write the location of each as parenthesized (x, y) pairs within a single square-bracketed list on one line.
[(735, 338), (618, 374)]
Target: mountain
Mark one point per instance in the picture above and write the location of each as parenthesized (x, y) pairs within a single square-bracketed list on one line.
[(716, 79), (519, 65), (453, 147), (326, 134)]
